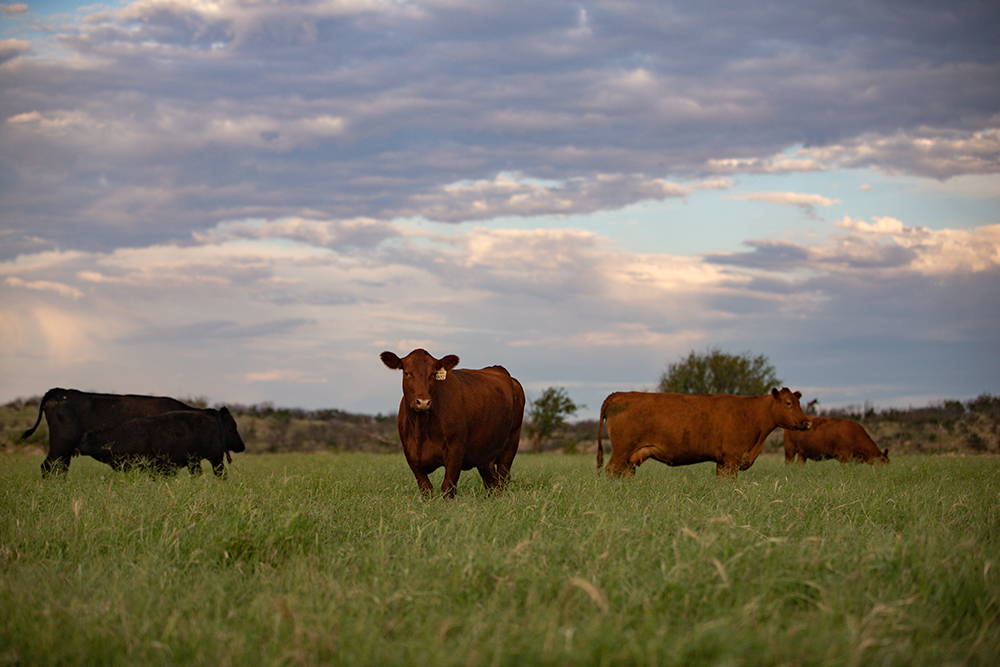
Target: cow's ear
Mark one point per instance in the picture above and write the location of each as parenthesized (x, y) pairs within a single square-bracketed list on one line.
[(448, 362), (391, 360), (224, 411), (774, 392), (798, 394)]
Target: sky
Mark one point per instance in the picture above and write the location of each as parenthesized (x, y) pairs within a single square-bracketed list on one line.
[(248, 200)]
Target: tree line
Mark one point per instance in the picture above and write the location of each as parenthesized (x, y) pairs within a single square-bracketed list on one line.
[(971, 426)]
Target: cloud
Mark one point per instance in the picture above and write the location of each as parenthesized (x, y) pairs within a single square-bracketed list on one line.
[(934, 252), (806, 202), (219, 194), (555, 304), (201, 112), (342, 234), (885, 243), (48, 285), (285, 375), (12, 48), (508, 195)]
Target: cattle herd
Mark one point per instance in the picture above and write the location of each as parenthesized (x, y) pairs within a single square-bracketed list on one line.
[(460, 419)]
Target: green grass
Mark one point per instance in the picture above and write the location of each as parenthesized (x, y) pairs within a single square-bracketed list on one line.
[(336, 559)]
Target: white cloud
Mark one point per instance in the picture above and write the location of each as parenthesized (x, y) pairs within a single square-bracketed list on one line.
[(46, 285), (806, 202), (285, 375), (935, 252), (934, 152), (508, 195)]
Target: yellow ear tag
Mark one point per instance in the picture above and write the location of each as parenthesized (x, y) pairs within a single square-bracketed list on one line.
[(441, 374)]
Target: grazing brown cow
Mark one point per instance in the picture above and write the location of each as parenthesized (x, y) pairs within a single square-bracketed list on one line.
[(680, 429), (71, 413), (460, 419), (168, 441), (830, 438)]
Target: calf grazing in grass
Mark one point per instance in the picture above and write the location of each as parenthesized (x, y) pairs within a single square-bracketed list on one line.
[(680, 429), (168, 441), (830, 438), (457, 418), (71, 413)]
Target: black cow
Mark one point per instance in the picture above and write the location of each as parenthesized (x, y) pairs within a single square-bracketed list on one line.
[(168, 441), (71, 413)]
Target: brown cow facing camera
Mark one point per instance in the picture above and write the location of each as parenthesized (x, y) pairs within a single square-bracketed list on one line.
[(457, 418), (681, 429), (831, 438)]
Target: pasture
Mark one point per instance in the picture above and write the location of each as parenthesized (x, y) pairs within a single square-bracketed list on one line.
[(335, 559)]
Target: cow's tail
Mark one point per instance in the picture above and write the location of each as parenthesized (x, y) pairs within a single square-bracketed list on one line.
[(600, 428), (41, 406)]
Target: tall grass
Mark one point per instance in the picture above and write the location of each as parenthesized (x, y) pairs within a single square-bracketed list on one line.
[(336, 559)]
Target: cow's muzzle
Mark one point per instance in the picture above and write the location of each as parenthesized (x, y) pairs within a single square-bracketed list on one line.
[(422, 404)]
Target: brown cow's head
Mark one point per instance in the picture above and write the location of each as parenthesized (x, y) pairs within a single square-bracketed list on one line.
[(787, 411), (421, 372)]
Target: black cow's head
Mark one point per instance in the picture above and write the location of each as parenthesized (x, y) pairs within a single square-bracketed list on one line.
[(421, 373), (230, 436)]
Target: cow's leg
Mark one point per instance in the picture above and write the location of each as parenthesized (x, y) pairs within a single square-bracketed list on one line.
[(452, 471), (491, 478), (55, 465), (506, 459), (60, 454), (620, 461), (727, 469), (423, 481)]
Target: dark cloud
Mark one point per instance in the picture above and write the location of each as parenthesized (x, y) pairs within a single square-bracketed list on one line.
[(184, 118), (773, 255)]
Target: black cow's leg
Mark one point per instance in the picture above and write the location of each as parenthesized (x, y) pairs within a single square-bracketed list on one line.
[(55, 465), (60, 454)]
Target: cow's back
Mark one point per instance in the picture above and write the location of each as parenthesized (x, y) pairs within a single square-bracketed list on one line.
[(71, 413)]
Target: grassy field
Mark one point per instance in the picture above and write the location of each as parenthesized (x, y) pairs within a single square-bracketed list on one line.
[(306, 559)]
